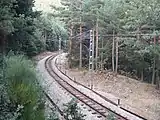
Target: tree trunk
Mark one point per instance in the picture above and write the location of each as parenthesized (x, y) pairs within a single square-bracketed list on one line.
[(3, 44), (113, 46), (142, 75), (45, 38), (60, 41), (102, 56), (154, 64), (153, 72), (117, 40), (157, 80), (70, 40)]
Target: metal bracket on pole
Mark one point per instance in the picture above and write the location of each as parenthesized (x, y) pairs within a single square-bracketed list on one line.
[(91, 56), (91, 51)]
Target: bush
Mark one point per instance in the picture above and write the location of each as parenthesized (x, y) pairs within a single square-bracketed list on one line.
[(111, 117), (22, 88), (72, 111)]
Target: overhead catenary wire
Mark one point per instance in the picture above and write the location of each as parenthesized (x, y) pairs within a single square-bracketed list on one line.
[(119, 35)]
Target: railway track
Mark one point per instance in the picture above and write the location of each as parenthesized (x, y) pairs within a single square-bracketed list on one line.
[(100, 110), (103, 97)]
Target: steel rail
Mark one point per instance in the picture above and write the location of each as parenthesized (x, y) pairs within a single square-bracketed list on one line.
[(53, 103)]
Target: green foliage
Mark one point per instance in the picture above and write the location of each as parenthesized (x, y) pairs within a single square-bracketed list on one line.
[(6, 14), (50, 31), (28, 31), (110, 117), (136, 55), (53, 116), (22, 88), (72, 111)]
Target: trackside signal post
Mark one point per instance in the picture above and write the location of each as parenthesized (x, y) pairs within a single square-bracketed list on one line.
[(91, 56), (90, 51)]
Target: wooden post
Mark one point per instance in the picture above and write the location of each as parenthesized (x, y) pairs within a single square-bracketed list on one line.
[(113, 46), (118, 102)]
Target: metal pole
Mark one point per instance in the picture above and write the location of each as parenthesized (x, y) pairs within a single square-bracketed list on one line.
[(93, 50), (92, 58), (91, 54), (80, 57), (97, 37), (90, 51)]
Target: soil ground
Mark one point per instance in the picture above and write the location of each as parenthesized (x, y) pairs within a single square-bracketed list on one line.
[(141, 98)]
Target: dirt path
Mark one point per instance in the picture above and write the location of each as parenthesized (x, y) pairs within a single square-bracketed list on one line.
[(141, 98)]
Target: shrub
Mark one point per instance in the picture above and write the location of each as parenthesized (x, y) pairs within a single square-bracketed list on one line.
[(72, 111), (111, 117), (22, 89)]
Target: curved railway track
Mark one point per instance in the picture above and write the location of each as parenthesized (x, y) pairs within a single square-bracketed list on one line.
[(103, 97), (99, 109)]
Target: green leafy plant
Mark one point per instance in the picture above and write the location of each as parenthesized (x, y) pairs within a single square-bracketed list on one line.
[(72, 111), (110, 117), (22, 88)]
